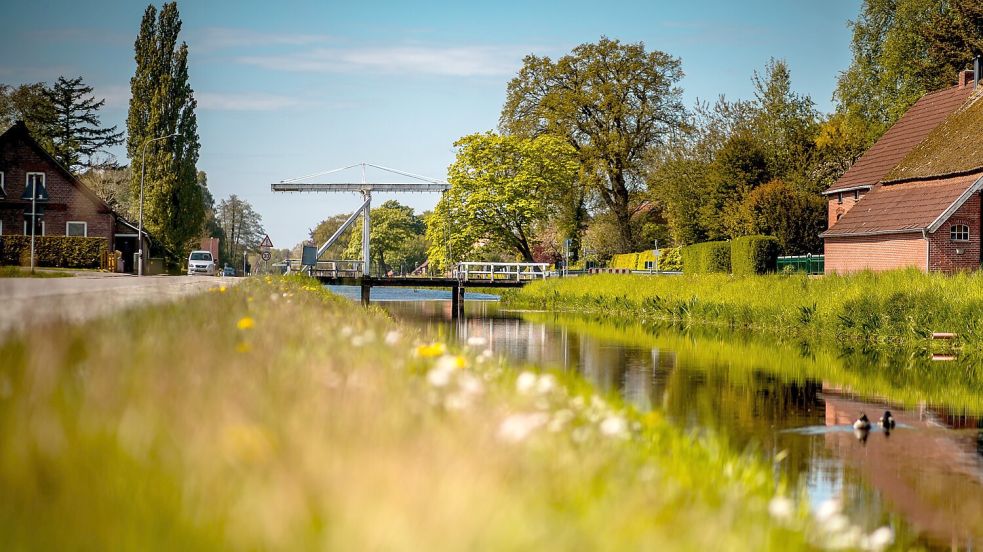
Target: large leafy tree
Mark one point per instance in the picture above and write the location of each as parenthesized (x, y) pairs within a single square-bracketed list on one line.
[(241, 226), (28, 103), (779, 209), (396, 238), (612, 103), (502, 187), (162, 103), (326, 228), (76, 133)]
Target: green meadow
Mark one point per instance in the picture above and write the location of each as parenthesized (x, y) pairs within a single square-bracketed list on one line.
[(273, 415)]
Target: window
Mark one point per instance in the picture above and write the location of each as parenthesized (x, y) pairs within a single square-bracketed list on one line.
[(959, 232), (856, 195), (839, 197), (39, 231), (35, 179), (3, 191), (76, 228)]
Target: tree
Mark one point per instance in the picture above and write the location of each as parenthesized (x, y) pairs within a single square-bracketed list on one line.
[(28, 103), (212, 228), (112, 184), (955, 37), (613, 103), (162, 103), (793, 216), (501, 187), (76, 132), (241, 226), (326, 228), (396, 238)]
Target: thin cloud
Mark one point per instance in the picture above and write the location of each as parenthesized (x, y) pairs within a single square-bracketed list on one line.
[(465, 61), (217, 101), (223, 38)]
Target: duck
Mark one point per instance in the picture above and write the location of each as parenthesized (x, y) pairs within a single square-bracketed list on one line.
[(862, 423), (887, 421)]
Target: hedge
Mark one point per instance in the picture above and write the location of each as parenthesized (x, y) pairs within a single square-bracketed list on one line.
[(754, 255), (669, 260), (707, 257), (58, 251), (625, 260)]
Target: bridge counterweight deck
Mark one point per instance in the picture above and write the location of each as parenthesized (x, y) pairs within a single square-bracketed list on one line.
[(420, 282)]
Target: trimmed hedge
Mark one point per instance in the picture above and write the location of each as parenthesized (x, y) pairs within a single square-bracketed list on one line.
[(706, 258), (669, 260), (56, 251), (754, 255)]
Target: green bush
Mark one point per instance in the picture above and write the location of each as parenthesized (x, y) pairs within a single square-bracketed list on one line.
[(671, 260), (59, 251), (754, 255), (625, 260), (706, 258)]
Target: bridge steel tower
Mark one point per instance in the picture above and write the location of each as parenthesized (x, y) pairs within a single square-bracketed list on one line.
[(420, 184)]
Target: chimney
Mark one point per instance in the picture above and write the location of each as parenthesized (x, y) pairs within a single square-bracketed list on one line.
[(977, 72), (966, 78)]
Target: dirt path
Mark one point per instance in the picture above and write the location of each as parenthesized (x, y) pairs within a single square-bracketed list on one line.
[(29, 301)]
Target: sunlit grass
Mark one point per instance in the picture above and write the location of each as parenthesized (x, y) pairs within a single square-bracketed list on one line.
[(21, 272), (274, 415)]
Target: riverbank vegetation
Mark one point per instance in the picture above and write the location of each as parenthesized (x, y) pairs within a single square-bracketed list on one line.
[(274, 415), (904, 306)]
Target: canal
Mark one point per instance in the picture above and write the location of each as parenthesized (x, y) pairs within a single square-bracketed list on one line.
[(924, 479)]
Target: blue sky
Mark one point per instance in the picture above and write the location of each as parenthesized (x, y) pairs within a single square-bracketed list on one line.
[(291, 88)]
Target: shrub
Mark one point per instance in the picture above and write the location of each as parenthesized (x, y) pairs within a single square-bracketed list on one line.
[(707, 257), (754, 255), (60, 251), (625, 260), (671, 260)]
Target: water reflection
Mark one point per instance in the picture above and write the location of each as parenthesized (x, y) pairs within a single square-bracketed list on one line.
[(924, 479)]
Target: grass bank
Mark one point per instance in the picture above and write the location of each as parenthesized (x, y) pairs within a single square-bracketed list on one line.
[(886, 308), (20, 272), (906, 377), (274, 415)]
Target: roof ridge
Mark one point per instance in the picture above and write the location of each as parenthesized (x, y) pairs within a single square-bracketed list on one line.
[(965, 172)]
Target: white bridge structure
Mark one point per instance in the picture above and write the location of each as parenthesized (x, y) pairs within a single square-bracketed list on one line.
[(417, 183)]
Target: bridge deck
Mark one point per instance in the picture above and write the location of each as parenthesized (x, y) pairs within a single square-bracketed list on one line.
[(420, 282)]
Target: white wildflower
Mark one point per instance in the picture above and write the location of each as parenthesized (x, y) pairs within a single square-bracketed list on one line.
[(559, 420), (477, 341), (781, 508), (525, 382), (614, 426), (440, 374), (880, 539), (518, 427), (470, 385), (837, 523), (828, 509), (457, 401), (393, 337), (345, 331), (545, 384)]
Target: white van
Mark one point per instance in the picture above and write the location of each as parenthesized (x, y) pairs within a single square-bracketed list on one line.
[(201, 262)]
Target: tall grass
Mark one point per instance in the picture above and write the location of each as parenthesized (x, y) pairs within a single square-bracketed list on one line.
[(20, 272), (273, 415), (893, 307)]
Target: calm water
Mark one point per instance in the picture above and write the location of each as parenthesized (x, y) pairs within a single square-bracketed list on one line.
[(924, 479)]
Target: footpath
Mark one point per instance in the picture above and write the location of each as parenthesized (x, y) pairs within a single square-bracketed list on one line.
[(31, 301)]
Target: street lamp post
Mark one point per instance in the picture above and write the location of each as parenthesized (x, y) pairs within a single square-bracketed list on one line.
[(143, 172)]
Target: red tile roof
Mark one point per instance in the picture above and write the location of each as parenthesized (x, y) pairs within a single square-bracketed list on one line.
[(920, 119), (904, 207)]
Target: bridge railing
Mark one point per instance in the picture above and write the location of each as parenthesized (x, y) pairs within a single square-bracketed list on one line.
[(501, 271), (327, 268)]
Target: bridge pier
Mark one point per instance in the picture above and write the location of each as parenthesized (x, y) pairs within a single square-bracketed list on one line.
[(457, 300), (366, 294)]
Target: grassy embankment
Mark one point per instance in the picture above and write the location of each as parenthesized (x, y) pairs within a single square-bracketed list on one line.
[(901, 307), (20, 272), (274, 415), (899, 376)]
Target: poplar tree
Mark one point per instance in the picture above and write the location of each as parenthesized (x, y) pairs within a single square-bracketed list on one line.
[(163, 103)]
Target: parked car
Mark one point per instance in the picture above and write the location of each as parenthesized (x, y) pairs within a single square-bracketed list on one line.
[(228, 271), (201, 262)]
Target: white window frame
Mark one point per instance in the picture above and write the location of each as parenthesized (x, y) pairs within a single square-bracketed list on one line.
[(85, 227), (956, 230), (27, 233), (44, 180), (3, 189)]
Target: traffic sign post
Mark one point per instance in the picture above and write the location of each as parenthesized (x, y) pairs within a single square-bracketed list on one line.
[(265, 247)]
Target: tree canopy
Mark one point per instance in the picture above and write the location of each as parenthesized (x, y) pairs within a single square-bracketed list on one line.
[(396, 238), (501, 188), (75, 128), (242, 228), (613, 103)]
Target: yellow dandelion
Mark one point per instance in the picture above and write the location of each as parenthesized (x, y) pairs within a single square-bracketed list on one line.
[(245, 323), (222, 289), (432, 350), (243, 347)]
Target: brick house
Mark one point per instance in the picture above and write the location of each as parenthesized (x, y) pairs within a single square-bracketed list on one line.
[(913, 199), (64, 206)]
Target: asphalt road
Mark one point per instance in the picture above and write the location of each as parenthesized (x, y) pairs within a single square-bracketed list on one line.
[(29, 301)]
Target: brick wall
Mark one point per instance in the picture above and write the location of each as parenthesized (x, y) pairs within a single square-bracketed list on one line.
[(66, 202), (837, 209), (886, 252), (943, 253)]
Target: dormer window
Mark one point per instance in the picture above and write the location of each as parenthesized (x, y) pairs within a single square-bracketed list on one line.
[(839, 197), (959, 232)]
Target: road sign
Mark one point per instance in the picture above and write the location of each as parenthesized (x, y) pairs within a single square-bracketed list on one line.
[(266, 241), (265, 255)]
